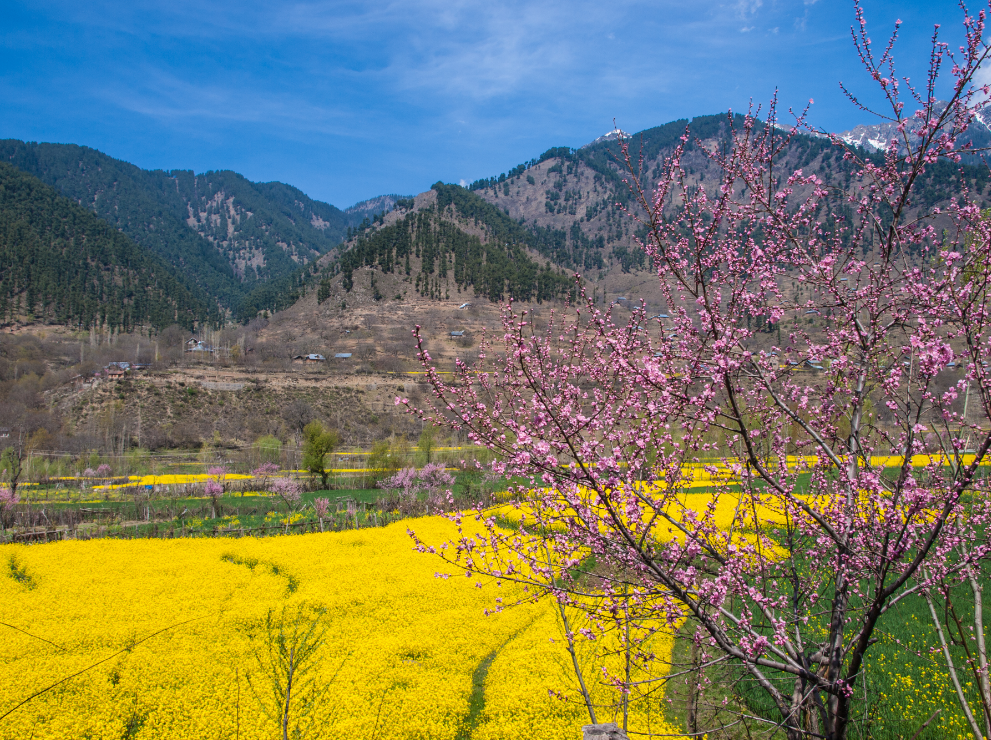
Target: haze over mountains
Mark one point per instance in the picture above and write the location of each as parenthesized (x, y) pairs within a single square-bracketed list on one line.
[(242, 248)]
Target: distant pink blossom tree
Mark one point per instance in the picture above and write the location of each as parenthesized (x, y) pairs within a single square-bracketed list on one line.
[(215, 488), (8, 498), (321, 506), (432, 479), (883, 308), (290, 491), (265, 470)]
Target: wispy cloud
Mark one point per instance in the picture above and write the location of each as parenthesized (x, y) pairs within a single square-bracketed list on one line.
[(429, 81), (747, 8), (163, 96)]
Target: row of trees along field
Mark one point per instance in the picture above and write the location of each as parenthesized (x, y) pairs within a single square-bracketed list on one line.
[(842, 506), (60, 263)]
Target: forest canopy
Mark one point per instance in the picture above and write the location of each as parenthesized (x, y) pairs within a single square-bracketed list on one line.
[(61, 264)]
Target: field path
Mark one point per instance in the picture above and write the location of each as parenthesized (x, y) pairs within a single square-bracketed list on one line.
[(476, 703)]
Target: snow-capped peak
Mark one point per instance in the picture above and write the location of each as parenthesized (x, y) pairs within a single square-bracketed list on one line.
[(616, 133)]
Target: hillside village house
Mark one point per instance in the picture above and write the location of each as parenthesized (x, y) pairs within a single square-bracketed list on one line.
[(117, 370), (311, 359)]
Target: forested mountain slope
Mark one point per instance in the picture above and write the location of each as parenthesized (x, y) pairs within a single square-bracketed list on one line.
[(259, 247), (569, 196), (61, 264), (456, 243), (525, 233), (225, 233)]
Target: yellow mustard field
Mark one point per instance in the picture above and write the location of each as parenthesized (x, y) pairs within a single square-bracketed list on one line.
[(397, 660)]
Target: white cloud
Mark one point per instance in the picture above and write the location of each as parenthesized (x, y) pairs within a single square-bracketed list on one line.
[(323, 65), (983, 75), (746, 8)]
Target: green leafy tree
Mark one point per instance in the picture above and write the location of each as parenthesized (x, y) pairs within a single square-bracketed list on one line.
[(425, 445), (268, 449), (383, 461), (317, 444)]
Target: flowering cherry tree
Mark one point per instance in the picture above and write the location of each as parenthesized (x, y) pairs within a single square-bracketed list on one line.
[(289, 490), (321, 506), (8, 499), (214, 489), (842, 453), (432, 479)]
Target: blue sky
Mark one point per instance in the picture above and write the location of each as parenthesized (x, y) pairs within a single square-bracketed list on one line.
[(348, 100)]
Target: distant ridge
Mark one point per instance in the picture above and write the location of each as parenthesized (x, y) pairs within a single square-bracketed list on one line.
[(613, 135), (876, 137), (61, 264), (357, 213), (225, 234)]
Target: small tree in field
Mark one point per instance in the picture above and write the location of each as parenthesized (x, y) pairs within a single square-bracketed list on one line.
[(432, 480), (321, 506), (290, 492), (10, 469), (317, 444), (426, 443), (883, 308), (263, 472), (285, 684), (214, 489), (8, 499)]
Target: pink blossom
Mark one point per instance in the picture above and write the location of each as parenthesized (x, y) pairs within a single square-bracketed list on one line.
[(608, 423), (265, 469), (321, 506), (288, 489), (7, 497)]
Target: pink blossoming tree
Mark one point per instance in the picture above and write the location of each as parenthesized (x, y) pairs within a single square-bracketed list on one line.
[(321, 506), (8, 498), (290, 491), (884, 312), (215, 488), (432, 480)]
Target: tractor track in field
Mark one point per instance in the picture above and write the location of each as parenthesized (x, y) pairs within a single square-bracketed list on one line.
[(476, 702)]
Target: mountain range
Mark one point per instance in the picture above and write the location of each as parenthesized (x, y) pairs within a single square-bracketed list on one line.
[(876, 137), (240, 248), (226, 234)]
